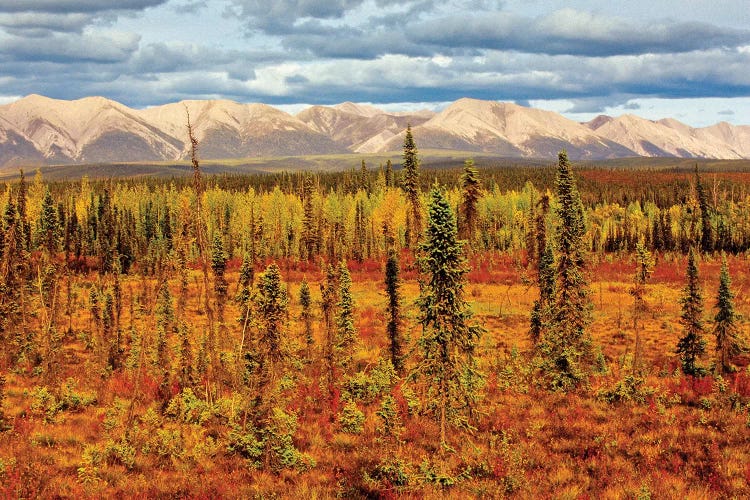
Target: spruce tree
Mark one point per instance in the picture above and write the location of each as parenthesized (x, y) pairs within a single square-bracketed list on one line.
[(692, 345), (219, 267), (410, 186), (393, 310), (329, 299), (644, 269), (729, 343), (447, 365), (346, 333), (541, 312), (389, 174), (305, 300), (271, 305), (48, 228), (707, 235), (470, 195), (566, 347), (309, 236), (364, 178)]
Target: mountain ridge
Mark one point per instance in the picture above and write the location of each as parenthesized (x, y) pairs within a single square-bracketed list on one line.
[(38, 130)]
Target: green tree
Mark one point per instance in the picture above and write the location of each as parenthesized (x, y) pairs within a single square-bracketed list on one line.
[(410, 185), (389, 174), (707, 233), (729, 343), (541, 312), (566, 347), (271, 305), (364, 178), (346, 333), (219, 267), (329, 299), (470, 195), (448, 340), (48, 227), (644, 269), (692, 345), (309, 237), (305, 300), (393, 311)]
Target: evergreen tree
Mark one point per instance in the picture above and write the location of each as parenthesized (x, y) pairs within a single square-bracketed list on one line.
[(447, 364), (24, 226), (566, 347), (305, 300), (364, 178), (271, 305), (244, 291), (410, 186), (471, 193), (219, 267), (48, 228), (541, 312), (329, 296), (692, 345), (389, 174), (707, 235), (393, 310), (728, 340), (11, 280), (309, 236), (644, 269), (346, 333)]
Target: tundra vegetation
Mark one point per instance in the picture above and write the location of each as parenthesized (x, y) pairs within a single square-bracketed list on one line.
[(533, 331)]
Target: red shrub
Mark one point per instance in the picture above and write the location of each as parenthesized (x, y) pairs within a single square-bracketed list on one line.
[(741, 384), (121, 385)]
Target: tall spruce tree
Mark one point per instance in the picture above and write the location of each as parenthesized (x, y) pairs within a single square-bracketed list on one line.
[(48, 227), (644, 269), (566, 348), (447, 365), (271, 303), (393, 311), (346, 333), (729, 343), (692, 345), (410, 185), (541, 312), (309, 236), (389, 174), (707, 233), (305, 300), (471, 193), (329, 299), (219, 267)]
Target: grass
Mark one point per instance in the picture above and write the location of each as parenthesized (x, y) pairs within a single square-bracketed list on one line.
[(687, 439)]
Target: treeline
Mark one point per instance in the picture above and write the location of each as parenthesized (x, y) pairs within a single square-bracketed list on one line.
[(347, 215)]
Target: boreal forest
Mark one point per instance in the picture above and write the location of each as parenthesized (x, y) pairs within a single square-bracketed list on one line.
[(541, 331)]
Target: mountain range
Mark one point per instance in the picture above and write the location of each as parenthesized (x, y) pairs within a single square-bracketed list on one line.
[(37, 130)]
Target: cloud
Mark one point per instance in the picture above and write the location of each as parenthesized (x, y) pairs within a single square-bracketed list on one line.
[(282, 16), (726, 112), (111, 47), (75, 6), (572, 32), (31, 23)]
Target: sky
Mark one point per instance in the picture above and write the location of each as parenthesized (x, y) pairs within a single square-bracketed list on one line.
[(687, 59)]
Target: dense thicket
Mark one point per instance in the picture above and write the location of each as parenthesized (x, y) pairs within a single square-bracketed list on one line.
[(331, 216)]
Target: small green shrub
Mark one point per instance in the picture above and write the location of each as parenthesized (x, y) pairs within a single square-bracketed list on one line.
[(351, 418)]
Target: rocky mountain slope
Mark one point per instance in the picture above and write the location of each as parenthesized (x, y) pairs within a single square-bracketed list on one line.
[(38, 130)]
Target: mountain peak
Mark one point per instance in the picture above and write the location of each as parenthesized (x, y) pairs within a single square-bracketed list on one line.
[(41, 129), (358, 109)]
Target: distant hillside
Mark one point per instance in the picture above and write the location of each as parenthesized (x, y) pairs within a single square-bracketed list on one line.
[(37, 131)]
